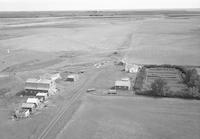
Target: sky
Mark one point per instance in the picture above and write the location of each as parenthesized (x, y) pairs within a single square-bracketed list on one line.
[(45, 5)]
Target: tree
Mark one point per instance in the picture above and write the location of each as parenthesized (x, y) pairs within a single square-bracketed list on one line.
[(159, 87), (191, 78)]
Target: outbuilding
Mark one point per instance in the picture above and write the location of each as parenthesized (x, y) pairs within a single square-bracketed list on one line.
[(22, 113), (125, 79), (131, 68), (34, 101), (42, 96), (72, 77), (29, 106), (122, 85), (40, 85)]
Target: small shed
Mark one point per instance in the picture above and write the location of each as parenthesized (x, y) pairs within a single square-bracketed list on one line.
[(42, 96), (122, 85), (72, 77), (131, 68), (34, 101), (112, 91), (22, 113), (29, 106), (125, 79)]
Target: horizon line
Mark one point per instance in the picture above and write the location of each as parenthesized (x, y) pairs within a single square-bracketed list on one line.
[(139, 9)]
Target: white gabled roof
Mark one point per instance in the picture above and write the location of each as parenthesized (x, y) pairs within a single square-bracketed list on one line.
[(72, 76), (31, 80), (33, 100), (125, 79), (41, 94), (43, 81), (122, 83), (28, 105)]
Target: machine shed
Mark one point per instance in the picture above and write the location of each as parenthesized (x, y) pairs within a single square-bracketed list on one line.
[(122, 85), (72, 77), (29, 106), (34, 101)]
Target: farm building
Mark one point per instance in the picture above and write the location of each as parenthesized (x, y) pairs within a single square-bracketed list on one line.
[(29, 106), (42, 96), (123, 85), (112, 91), (131, 68), (40, 85), (34, 101), (22, 113), (72, 77), (125, 79)]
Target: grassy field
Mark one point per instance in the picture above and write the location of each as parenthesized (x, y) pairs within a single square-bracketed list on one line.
[(152, 40), (134, 117)]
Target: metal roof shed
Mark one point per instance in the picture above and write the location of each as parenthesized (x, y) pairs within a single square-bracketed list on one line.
[(35, 101), (124, 85), (72, 77), (44, 81), (44, 84), (44, 95), (22, 113), (125, 79), (31, 83), (29, 106)]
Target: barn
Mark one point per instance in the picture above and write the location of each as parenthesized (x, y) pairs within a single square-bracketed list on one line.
[(34, 86)]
